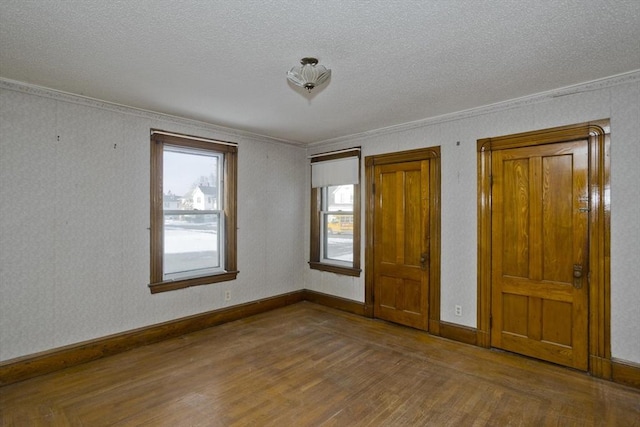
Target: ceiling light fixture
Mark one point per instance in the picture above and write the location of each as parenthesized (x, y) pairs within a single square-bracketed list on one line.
[(308, 74)]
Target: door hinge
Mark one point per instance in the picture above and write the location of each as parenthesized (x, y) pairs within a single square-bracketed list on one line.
[(490, 322)]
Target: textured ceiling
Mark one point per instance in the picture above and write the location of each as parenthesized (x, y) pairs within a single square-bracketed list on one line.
[(392, 62)]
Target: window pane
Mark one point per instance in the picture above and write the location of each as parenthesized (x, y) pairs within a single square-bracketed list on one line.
[(338, 237), (191, 179), (191, 242), (191, 183), (339, 198)]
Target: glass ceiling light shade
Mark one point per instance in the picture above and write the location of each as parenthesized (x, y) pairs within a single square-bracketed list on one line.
[(308, 74)]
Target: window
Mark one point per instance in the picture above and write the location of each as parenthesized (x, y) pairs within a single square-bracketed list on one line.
[(193, 211), (335, 212)]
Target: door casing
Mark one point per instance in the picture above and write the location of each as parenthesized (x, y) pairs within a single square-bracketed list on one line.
[(598, 135)]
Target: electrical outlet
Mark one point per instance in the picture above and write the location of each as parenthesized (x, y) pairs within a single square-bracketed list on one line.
[(227, 295), (458, 310)]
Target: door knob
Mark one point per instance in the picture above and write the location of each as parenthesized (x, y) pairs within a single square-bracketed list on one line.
[(577, 276), (423, 259)]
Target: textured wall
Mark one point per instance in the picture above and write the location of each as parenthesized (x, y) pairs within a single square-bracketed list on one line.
[(74, 244), (625, 222), (74, 218), (617, 100)]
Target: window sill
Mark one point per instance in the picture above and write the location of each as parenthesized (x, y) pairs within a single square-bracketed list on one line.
[(346, 271), (187, 283)]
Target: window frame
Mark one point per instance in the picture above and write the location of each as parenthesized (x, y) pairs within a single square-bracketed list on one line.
[(316, 259), (229, 152)]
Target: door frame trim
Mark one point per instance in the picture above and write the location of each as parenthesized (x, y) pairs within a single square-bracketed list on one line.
[(597, 133), (433, 155)]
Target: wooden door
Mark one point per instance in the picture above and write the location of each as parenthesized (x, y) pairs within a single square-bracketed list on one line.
[(539, 252), (401, 243)]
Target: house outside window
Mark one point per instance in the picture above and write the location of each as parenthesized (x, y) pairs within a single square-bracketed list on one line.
[(171, 201), (335, 212), (193, 211)]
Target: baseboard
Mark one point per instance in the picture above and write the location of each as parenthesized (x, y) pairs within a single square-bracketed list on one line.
[(335, 302), (624, 372), (33, 365), (464, 334), (22, 368)]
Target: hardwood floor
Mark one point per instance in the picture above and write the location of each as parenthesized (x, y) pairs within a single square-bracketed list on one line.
[(308, 365)]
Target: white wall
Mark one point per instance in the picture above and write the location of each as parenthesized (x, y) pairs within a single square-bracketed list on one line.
[(74, 218), (75, 265), (617, 98)]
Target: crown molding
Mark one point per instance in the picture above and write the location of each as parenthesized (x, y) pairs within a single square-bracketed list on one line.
[(607, 82), (230, 133), (226, 132)]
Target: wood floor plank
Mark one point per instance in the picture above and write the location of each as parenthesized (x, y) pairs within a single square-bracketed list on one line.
[(309, 365)]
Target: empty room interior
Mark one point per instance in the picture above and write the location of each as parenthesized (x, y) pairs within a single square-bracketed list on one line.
[(320, 213)]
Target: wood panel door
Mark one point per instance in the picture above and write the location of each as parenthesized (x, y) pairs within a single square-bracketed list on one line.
[(539, 253), (401, 243)]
